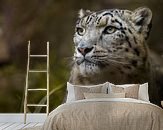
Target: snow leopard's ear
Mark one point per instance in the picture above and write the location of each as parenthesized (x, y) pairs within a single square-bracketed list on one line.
[(142, 17), (82, 13)]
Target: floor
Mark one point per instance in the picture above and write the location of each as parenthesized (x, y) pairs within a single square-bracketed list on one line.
[(15, 121), (17, 126)]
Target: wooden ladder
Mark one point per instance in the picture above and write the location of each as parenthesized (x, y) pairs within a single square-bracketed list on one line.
[(36, 89)]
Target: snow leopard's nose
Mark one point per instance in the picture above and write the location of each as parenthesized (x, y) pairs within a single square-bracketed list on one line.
[(84, 50)]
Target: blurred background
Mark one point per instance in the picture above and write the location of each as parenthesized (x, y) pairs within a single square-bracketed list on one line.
[(54, 21)]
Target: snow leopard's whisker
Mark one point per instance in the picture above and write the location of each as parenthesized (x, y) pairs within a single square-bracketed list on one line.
[(117, 62)]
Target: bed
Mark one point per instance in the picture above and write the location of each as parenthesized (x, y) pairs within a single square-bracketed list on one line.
[(106, 107), (106, 114), (95, 108)]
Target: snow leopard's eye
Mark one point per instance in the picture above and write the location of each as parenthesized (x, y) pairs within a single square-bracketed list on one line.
[(109, 30), (80, 31)]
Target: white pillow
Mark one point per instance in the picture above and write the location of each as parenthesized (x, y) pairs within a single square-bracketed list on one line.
[(71, 90), (71, 94), (103, 95), (143, 90)]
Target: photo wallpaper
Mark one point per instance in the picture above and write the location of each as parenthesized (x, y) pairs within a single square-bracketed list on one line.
[(132, 55)]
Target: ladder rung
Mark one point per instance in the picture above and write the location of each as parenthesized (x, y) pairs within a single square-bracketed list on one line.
[(38, 55), (36, 105), (37, 71), (37, 89)]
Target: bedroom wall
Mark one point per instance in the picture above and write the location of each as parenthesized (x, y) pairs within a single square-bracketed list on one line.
[(53, 21)]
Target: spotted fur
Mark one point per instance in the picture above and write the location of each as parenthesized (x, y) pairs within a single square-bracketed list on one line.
[(110, 45)]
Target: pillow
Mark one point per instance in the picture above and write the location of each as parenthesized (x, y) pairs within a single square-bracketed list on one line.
[(130, 91), (142, 93), (103, 95), (162, 103), (76, 92)]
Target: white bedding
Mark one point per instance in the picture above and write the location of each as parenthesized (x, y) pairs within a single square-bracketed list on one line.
[(129, 100), (106, 114)]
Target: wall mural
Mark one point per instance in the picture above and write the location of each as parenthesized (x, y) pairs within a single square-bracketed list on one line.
[(113, 45)]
